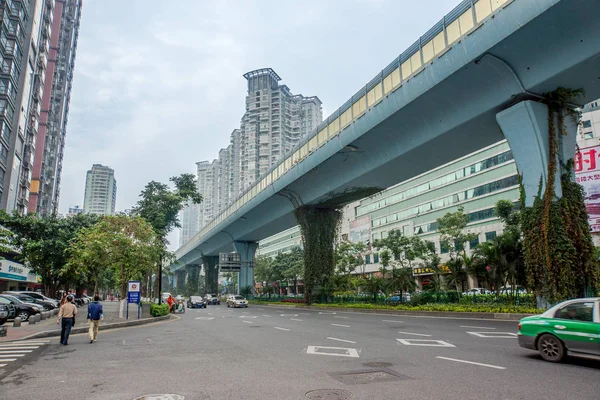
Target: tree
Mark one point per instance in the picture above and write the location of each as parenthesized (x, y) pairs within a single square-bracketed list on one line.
[(160, 207), (42, 241), (373, 285), (348, 257), (454, 238), (126, 244)]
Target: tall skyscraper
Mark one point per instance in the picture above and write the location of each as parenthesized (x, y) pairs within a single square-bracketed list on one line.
[(189, 223), (50, 142), (25, 43), (274, 122), (100, 191)]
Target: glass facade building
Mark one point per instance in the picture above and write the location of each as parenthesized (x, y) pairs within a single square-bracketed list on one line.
[(475, 182)]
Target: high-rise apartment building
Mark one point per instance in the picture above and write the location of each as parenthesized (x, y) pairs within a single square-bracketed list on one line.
[(75, 210), (189, 222), (50, 142), (24, 40), (274, 122), (100, 191)]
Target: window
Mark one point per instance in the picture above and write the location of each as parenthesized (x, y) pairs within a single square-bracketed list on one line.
[(375, 258), (444, 249), (458, 245), (587, 124), (368, 259), (588, 135), (473, 243), (490, 236), (577, 311)]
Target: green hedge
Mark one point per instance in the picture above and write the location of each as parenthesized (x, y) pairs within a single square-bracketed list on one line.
[(484, 308), (159, 310)]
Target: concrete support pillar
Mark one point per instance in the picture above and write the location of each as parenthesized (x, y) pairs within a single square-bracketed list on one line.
[(246, 250), (181, 277), (211, 273), (193, 276), (525, 127)]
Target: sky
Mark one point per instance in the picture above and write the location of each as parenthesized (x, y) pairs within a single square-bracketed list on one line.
[(158, 85)]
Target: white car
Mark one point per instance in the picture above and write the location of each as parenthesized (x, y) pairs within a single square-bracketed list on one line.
[(474, 291), (236, 301)]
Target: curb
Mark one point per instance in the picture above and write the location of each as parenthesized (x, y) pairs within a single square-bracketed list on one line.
[(113, 325), (438, 314)]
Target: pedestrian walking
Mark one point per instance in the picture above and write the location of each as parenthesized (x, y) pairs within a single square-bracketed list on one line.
[(63, 300), (66, 315), (95, 314)]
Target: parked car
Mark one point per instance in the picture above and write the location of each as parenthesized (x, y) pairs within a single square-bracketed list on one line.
[(196, 302), (475, 291), (35, 295), (9, 306), (213, 299), (516, 290), (47, 305), (3, 313), (237, 301), (21, 309), (569, 328)]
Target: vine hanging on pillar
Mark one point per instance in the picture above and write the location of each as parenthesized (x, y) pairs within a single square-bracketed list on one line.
[(319, 227), (558, 245)]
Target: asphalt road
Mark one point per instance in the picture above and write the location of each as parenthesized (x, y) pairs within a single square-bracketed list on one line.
[(282, 353)]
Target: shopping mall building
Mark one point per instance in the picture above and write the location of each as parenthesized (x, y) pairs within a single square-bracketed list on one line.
[(16, 276)]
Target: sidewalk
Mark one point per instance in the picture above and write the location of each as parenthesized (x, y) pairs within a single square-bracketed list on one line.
[(111, 316)]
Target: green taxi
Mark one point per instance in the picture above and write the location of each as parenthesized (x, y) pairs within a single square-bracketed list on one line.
[(571, 327)]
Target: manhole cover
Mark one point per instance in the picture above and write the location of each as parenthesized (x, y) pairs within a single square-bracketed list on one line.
[(378, 364), (367, 376), (329, 394), (161, 397)]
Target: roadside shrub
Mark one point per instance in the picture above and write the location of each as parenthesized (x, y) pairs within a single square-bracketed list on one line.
[(292, 300), (159, 310)]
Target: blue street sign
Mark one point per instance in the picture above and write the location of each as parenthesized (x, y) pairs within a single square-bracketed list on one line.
[(133, 297)]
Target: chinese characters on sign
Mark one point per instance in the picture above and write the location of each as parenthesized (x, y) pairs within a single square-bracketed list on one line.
[(133, 294), (587, 174)]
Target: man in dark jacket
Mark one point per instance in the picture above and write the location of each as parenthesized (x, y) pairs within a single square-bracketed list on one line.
[(95, 314)]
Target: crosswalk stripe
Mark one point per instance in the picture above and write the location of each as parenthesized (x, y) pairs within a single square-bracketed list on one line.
[(7, 359), (13, 355), (19, 348), (15, 351), (2, 365)]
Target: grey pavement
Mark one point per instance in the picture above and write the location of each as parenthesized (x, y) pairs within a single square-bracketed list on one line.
[(283, 353)]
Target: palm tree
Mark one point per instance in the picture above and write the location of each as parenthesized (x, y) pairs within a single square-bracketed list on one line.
[(373, 285), (403, 281)]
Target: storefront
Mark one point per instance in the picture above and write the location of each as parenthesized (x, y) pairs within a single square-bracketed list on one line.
[(16, 276)]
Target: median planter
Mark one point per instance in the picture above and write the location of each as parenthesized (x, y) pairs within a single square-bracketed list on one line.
[(420, 313)]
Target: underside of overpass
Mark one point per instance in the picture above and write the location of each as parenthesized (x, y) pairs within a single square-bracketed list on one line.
[(444, 112)]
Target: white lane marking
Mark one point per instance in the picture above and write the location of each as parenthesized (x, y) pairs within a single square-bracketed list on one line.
[(25, 344), (471, 362), (327, 313), (339, 316), (474, 327), (248, 316), (414, 334), (210, 313), (494, 335), (341, 340), (343, 326), (248, 322), (288, 315), (7, 359), (265, 315), (389, 320), (425, 342), (245, 312), (15, 351), (2, 365), (205, 318), (281, 329), (338, 351), (295, 319), (18, 348)]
